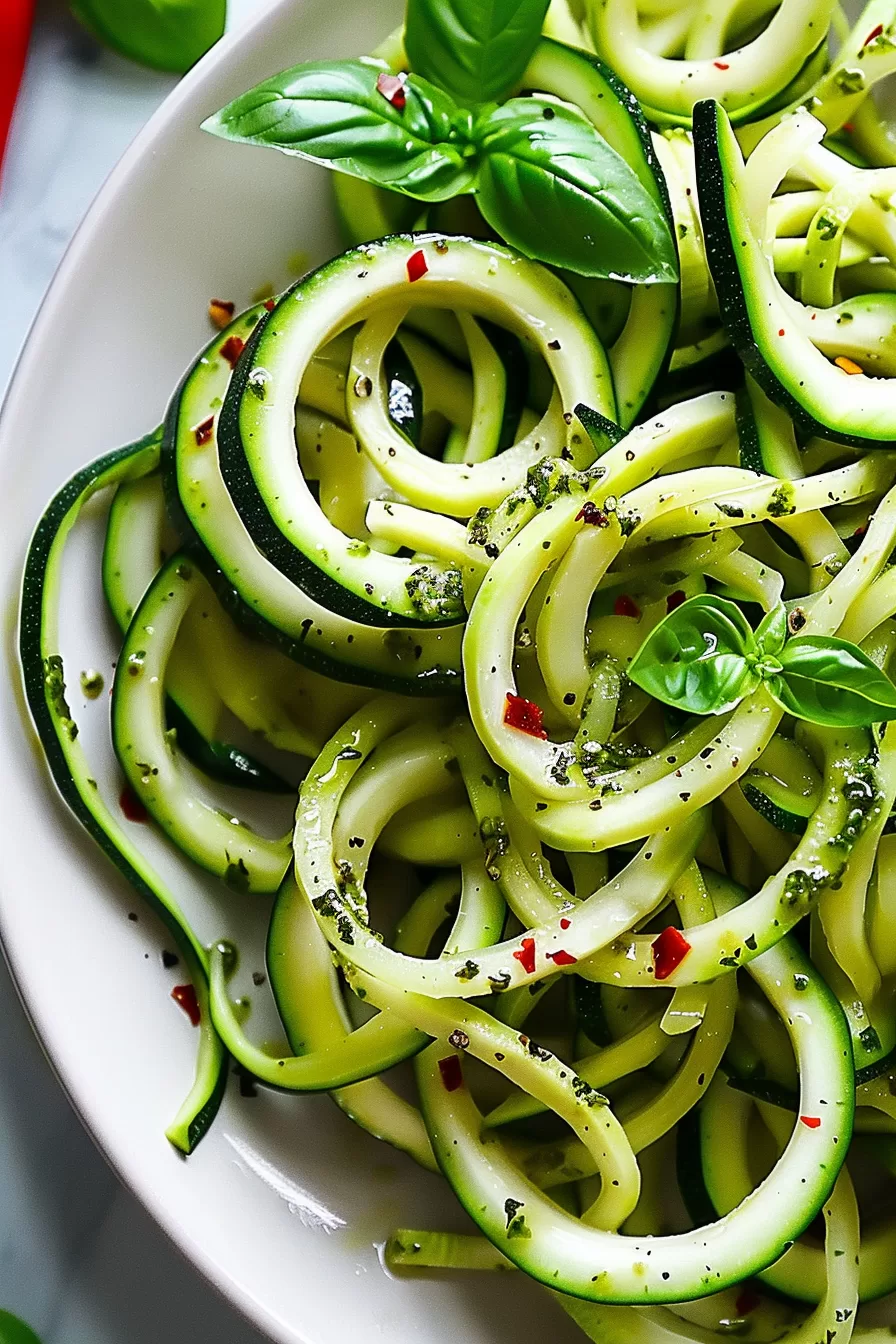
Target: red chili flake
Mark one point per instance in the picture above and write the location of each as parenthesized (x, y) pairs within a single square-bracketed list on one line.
[(185, 997), (524, 715), (417, 266), (270, 304), (393, 90), (452, 1073), (860, 531), (747, 1301), (810, 1121), (848, 126), (669, 951), (875, 32), (525, 955), (220, 312), (721, 65), (626, 606), (589, 513), (562, 958), (231, 350), (203, 432), (565, 923), (848, 365), (675, 600), (781, 332), (131, 805)]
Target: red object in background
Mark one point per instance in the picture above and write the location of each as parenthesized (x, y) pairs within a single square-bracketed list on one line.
[(15, 29)]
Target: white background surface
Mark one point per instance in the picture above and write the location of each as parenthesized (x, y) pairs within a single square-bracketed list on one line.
[(78, 1258)]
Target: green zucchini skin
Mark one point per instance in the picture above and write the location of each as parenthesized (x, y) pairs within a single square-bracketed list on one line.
[(222, 760), (843, 408), (641, 356), (128, 569), (330, 645), (312, 579), (45, 693)]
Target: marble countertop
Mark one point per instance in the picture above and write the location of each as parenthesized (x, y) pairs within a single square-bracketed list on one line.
[(79, 1259)]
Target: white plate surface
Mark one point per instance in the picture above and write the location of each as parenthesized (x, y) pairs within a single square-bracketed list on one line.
[(284, 1204)]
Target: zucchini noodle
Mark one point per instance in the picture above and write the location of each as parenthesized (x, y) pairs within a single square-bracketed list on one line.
[(621, 973)]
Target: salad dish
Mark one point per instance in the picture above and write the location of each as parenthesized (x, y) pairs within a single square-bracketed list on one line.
[(504, 619)]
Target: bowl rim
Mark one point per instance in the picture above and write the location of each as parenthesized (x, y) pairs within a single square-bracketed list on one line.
[(169, 112)]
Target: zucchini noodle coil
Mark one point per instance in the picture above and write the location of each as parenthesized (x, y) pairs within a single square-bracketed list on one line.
[(379, 577)]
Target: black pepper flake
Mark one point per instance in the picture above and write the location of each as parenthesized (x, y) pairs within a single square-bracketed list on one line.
[(169, 959), (133, 917), (258, 978)]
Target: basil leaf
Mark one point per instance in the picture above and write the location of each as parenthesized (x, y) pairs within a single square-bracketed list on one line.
[(695, 659), (332, 113), (832, 682), (771, 633), (552, 187), (165, 34), (476, 49)]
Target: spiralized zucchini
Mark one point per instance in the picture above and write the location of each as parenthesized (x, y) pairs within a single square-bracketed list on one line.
[(380, 579)]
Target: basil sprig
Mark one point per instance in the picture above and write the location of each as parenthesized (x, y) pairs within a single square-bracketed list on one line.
[(165, 34), (477, 50), (545, 178), (704, 658)]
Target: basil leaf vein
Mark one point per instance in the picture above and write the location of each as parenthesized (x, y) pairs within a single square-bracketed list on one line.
[(696, 659), (333, 113), (475, 49), (832, 682), (552, 187)]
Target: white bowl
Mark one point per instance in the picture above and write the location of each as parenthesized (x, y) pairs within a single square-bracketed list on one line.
[(284, 1205)]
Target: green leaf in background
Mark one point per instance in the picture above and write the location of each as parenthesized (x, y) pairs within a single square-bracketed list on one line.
[(696, 659), (165, 34), (552, 187), (14, 1331), (476, 49), (333, 113), (832, 682)]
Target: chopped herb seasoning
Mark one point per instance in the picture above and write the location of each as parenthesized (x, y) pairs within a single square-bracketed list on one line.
[(91, 684), (236, 875), (468, 971)]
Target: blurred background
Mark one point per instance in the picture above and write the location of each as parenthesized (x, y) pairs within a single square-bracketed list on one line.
[(79, 1260)]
